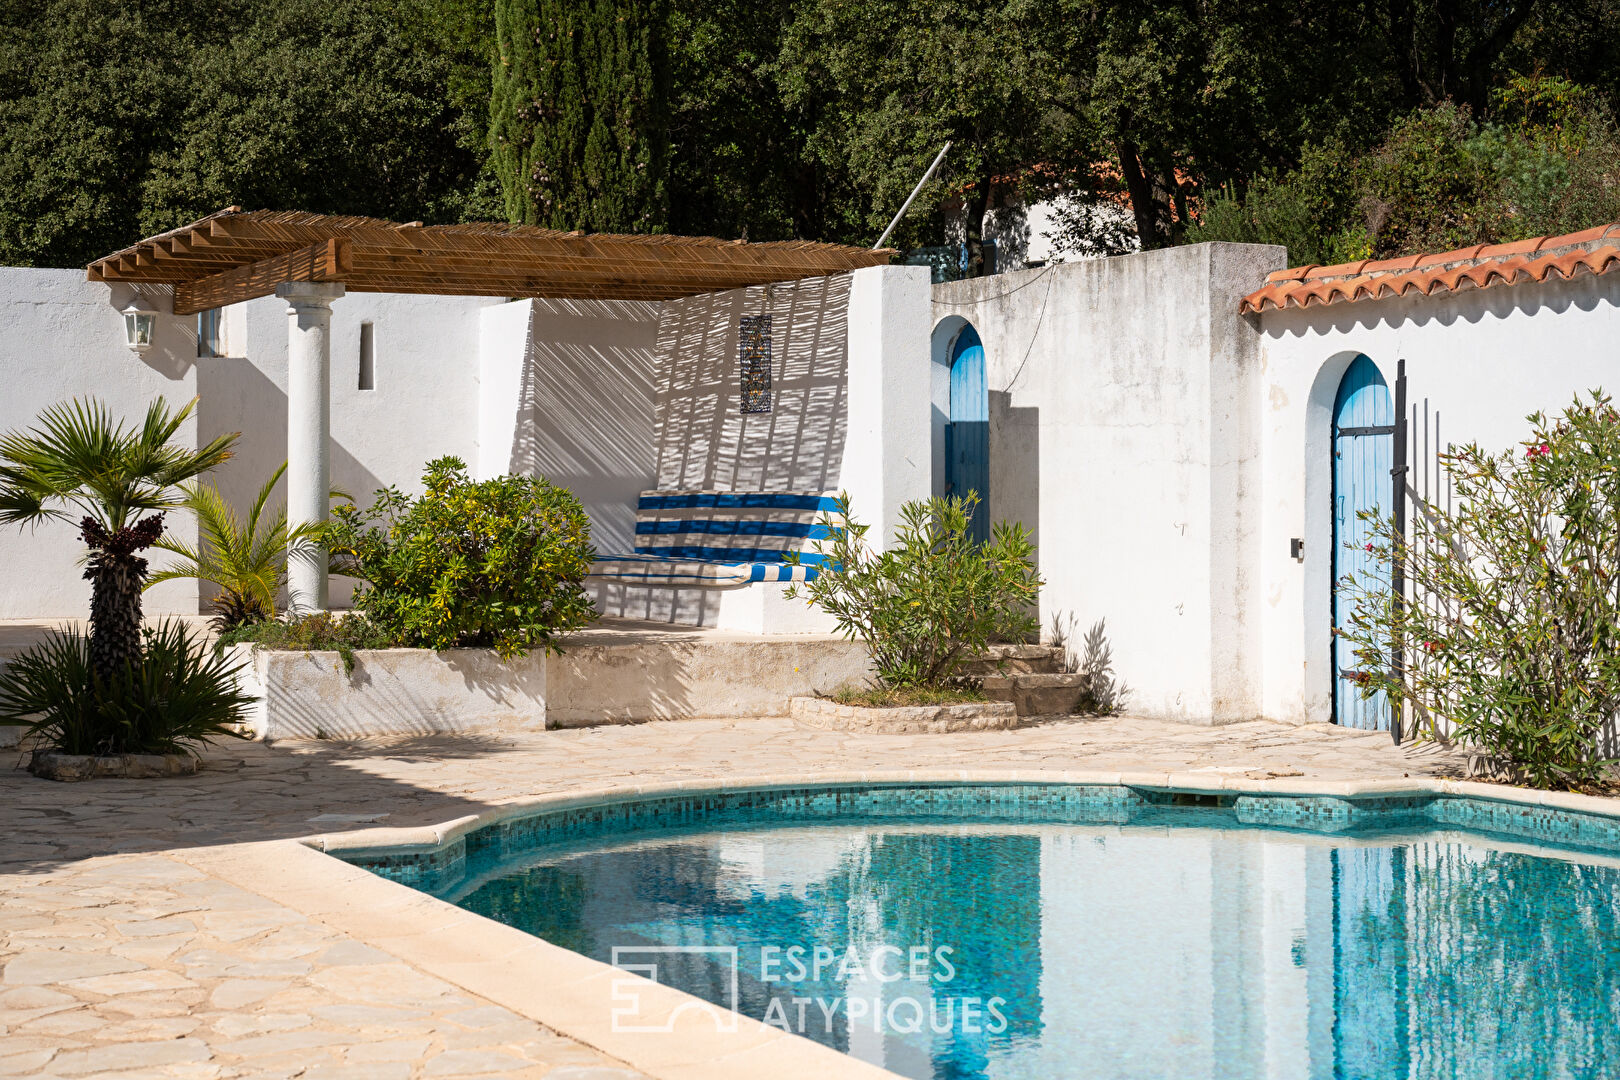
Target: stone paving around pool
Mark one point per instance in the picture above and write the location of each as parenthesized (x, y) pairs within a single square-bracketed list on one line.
[(121, 959)]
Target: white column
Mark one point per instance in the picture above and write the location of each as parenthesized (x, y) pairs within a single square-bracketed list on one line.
[(888, 453), (309, 426)]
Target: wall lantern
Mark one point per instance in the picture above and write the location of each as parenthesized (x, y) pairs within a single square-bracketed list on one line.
[(140, 319)]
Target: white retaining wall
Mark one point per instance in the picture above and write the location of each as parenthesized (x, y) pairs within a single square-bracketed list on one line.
[(1122, 435)]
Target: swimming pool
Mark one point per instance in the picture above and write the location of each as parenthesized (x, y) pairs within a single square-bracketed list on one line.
[(1045, 931)]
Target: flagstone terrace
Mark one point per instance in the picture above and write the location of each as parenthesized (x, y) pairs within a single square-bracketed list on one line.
[(125, 955)]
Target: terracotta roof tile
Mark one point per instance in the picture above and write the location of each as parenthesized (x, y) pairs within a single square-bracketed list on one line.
[(1518, 247), (1340, 270), (1479, 267), (1405, 262), (1585, 236)]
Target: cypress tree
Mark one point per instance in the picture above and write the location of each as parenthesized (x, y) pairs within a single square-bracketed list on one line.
[(579, 115)]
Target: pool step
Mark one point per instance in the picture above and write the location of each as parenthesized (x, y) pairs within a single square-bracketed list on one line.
[(1038, 694), (1016, 660)]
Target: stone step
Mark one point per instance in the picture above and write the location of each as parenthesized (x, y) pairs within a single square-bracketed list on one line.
[(1040, 694), (1015, 660)]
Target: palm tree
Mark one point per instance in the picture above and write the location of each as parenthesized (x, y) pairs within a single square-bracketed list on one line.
[(245, 557), (78, 463)]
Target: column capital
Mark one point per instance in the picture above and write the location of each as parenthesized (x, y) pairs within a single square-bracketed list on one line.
[(309, 294)]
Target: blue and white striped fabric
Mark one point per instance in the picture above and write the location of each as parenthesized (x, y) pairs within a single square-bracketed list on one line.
[(722, 537)]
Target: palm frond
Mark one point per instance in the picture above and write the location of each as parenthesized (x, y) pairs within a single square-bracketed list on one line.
[(77, 460), (246, 556), (264, 495)]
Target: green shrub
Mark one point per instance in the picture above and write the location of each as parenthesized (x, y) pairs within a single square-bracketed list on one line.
[(1439, 179), (320, 632), (934, 598), (176, 696), (1307, 211), (1511, 635), (499, 563)]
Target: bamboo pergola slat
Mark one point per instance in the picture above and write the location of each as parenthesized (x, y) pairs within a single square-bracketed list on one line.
[(329, 261), (238, 255)]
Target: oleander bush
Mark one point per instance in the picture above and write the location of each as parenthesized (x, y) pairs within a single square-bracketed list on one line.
[(934, 598), (1510, 633), (496, 563), (176, 695)]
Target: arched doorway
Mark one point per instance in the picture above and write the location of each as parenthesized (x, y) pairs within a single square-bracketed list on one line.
[(967, 434), (1363, 454)]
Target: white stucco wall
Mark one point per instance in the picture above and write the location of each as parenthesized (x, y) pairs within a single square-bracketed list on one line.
[(1477, 362), (567, 392), (704, 439), (62, 337), (1030, 235), (887, 459), (424, 403), (1121, 433), (849, 404)]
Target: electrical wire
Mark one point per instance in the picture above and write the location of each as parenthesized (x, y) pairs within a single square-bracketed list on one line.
[(1039, 320)]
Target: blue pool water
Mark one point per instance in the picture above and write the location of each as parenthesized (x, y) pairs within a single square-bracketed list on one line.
[(1111, 938)]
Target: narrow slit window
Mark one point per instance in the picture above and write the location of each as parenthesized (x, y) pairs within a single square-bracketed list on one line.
[(210, 333), (368, 357), (754, 357)]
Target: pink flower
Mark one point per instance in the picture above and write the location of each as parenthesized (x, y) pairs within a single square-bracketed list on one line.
[(1369, 545), (1538, 451)]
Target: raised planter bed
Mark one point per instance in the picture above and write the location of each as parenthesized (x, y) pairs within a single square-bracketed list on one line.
[(309, 695), (905, 719), (54, 765), (603, 676)]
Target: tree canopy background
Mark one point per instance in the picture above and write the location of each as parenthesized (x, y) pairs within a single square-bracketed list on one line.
[(1341, 130)]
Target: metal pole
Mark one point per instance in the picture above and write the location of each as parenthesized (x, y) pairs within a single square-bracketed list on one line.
[(907, 204), (1397, 576)]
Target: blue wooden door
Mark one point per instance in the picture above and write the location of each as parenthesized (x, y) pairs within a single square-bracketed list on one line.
[(1363, 453), (967, 437)]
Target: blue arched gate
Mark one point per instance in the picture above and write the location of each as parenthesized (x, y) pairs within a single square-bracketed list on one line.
[(967, 436), (1363, 454)]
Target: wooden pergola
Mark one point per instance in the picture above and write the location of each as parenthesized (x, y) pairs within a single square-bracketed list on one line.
[(238, 255), (311, 260)]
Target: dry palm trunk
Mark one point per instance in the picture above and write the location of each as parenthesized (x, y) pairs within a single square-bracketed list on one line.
[(116, 574)]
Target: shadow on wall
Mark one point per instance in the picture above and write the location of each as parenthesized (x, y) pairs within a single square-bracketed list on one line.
[(174, 343), (704, 440), (586, 405), (403, 692), (1015, 463), (234, 395)]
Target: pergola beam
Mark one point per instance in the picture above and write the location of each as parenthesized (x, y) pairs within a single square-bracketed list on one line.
[(235, 255), (326, 261)]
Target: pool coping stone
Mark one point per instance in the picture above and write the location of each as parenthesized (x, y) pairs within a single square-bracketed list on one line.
[(577, 996)]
